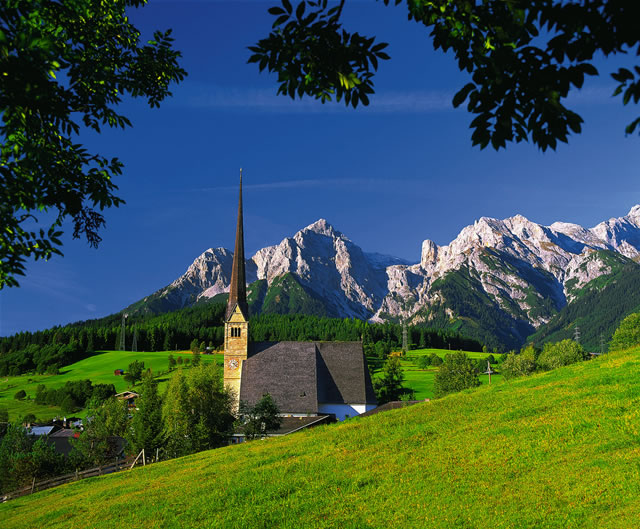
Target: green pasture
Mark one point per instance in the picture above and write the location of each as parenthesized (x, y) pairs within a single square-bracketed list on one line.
[(98, 368), (421, 380), (555, 450)]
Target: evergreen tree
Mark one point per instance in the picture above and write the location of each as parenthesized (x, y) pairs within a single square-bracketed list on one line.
[(389, 386), (146, 425), (90, 343), (177, 417)]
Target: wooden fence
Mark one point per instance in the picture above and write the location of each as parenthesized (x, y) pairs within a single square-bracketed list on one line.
[(117, 466)]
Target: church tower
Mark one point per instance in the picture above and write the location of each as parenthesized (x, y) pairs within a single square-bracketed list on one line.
[(236, 326)]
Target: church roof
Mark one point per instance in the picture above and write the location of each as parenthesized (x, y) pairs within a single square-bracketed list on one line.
[(302, 375)]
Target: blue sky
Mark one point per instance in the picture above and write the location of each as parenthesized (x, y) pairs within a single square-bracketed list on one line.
[(387, 176)]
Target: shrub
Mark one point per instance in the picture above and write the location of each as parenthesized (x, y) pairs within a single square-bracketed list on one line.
[(30, 418), (522, 364), (435, 360), (20, 395), (458, 372), (561, 354), (423, 362), (627, 334)]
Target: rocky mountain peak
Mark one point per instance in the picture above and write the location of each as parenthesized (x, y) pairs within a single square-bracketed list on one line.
[(429, 254), (519, 271), (634, 215), (322, 227)]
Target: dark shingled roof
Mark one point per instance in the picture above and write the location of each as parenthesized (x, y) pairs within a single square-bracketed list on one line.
[(343, 374), (285, 370), (301, 375)]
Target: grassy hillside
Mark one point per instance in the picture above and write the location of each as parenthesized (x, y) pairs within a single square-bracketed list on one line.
[(555, 450), (421, 380), (98, 368)]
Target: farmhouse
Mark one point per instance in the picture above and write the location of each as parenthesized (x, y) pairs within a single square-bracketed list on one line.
[(129, 396), (305, 379)]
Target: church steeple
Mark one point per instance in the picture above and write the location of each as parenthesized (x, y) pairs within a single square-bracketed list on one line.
[(238, 289), (236, 325)]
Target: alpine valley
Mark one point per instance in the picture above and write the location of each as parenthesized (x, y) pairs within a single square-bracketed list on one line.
[(500, 281)]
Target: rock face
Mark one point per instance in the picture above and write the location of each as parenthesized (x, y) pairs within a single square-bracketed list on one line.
[(519, 272)]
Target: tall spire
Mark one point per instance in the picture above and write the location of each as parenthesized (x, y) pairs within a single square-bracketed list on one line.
[(238, 289)]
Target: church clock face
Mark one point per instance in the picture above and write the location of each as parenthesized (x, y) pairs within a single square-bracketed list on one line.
[(232, 364)]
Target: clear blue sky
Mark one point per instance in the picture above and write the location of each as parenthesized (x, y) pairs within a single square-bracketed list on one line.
[(388, 176)]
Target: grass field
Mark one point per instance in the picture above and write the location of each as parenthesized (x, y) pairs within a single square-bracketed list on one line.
[(555, 450), (421, 380), (98, 368)]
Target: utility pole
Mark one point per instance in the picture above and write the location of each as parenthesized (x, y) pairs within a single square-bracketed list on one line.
[(122, 346), (404, 338), (489, 371), (134, 344)]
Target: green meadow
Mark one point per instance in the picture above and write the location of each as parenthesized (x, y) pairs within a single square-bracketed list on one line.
[(98, 368), (421, 380), (555, 450)]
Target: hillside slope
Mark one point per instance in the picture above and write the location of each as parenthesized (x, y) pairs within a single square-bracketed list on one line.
[(554, 450)]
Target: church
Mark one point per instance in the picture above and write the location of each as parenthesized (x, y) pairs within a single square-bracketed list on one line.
[(305, 379)]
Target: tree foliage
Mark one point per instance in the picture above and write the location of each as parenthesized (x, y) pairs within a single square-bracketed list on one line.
[(64, 68), (560, 354), (388, 386), (99, 442), (196, 412), (134, 372), (54, 348), (260, 418), (523, 58), (517, 365), (458, 372), (627, 334), (22, 459), (145, 430)]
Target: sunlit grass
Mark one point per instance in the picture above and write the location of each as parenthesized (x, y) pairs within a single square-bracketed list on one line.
[(555, 450), (421, 380), (98, 368)]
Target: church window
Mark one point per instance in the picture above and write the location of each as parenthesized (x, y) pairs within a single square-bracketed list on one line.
[(235, 332)]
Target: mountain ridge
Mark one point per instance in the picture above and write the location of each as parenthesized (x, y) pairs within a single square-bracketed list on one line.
[(524, 273)]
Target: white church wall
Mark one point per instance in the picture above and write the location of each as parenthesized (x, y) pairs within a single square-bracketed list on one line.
[(344, 411)]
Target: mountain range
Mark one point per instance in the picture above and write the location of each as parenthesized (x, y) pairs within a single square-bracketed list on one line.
[(500, 281)]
